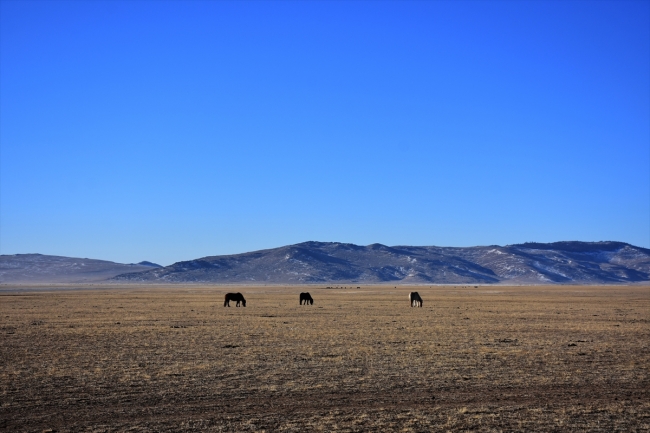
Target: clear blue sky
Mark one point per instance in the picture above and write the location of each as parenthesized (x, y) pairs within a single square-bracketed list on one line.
[(167, 131)]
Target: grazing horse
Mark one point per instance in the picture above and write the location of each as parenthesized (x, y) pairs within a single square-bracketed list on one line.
[(415, 299), (307, 298), (235, 297)]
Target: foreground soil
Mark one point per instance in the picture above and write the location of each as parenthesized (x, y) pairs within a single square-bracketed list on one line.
[(491, 359)]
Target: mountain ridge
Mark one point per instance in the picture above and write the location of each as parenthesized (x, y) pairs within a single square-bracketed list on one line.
[(312, 262), (42, 268)]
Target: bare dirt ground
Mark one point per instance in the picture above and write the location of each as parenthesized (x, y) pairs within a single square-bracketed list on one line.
[(491, 359)]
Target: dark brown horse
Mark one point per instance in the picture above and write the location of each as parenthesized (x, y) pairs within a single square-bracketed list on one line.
[(415, 299), (306, 297), (235, 297)]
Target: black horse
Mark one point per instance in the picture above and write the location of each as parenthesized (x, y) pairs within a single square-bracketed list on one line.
[(235, 297), (306, 297), (415, 299)]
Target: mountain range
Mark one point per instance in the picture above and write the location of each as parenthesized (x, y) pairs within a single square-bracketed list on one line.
[(337, 263), (340, 263), (40, 268)]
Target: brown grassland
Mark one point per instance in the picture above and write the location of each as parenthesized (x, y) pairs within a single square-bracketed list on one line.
[(567, 358)]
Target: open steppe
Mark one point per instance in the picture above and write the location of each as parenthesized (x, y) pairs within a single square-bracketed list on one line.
[(486, 358)]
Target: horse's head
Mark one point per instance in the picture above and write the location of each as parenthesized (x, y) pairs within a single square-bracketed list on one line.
[(311, 302), (243, 302)]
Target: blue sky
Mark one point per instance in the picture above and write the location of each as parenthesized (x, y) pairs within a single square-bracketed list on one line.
[(168, 131)]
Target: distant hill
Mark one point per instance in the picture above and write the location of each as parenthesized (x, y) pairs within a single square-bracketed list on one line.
[(39, 268), (150, 264), (333, 262)]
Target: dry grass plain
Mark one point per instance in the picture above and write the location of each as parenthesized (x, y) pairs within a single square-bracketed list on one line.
[(491, 359)]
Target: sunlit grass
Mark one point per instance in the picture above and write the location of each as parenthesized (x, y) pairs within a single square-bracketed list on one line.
[(511, 359)]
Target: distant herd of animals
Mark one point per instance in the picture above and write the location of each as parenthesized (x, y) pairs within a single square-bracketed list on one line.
[(306, 299)]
